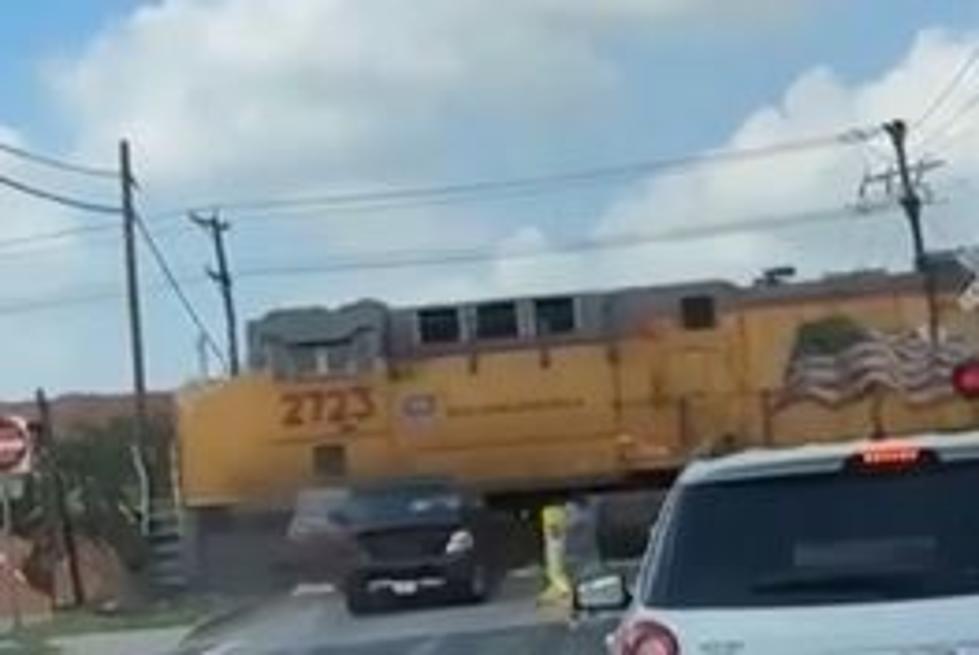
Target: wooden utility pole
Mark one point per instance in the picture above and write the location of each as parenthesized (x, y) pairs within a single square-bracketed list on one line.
[(66, 527), (203, 359), (138, 447), (911, 203), (222, 276)]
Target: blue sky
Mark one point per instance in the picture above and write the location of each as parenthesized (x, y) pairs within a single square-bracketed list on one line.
[(33, 32), (237, 99)]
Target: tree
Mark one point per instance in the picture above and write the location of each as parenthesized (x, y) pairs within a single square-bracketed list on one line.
[(101, 484), (100, 488)]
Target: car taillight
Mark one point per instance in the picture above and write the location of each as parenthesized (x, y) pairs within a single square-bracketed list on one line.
[(647, 638), (891, 455)]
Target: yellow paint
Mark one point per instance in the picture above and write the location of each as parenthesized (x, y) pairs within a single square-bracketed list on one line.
[(530, 417), (554, 524)]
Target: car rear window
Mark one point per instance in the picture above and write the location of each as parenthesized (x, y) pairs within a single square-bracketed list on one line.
[(403, 505), (826, 538)]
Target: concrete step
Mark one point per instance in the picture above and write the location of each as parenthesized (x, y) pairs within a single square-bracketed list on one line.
[(166, 549), (166, 567)]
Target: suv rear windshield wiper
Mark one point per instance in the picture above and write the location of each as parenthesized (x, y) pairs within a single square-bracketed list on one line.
[(885, 582)]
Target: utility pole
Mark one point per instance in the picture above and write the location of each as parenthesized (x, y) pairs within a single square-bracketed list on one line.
[(222, 276), (910, 201), (203, 360), (138, 446), (66, 527)]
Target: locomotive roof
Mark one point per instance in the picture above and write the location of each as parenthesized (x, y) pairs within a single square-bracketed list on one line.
[(833, 285)]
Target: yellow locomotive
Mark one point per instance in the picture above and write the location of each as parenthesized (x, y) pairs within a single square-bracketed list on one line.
[(561, 393)]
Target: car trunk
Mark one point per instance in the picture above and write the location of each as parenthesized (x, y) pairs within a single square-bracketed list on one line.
[(907, 628)]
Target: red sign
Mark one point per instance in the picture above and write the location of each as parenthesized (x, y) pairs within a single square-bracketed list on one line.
[(965, 379), (15, 441)]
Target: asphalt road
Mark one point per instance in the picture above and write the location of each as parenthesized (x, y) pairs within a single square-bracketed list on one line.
[(317, 623)]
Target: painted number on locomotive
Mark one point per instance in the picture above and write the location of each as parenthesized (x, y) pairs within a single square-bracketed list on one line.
[(342, 406)]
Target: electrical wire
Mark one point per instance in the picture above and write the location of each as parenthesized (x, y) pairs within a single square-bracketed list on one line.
[(31, 306), (943, 143), (74, 203), (54, 235), (538, 183), (947, 90), (60, 164), (178, 291), (416, 258), (942, 132), (399, 259), (319, 213)]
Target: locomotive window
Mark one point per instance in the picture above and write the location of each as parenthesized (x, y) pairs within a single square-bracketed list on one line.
[(302, 361), (439, 325), (496, 320), (698, 312), (554, 316), (335, 358), (329, 461)]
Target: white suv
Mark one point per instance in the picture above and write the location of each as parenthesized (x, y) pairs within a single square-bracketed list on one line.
[(869, 547)]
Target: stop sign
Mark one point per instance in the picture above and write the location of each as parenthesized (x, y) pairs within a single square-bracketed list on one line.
[(965, 379), (14, 443)]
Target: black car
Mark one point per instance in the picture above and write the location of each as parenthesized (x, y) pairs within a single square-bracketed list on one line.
[(417, 540)]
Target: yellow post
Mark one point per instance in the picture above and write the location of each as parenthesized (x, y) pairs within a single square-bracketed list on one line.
[(554, 520)]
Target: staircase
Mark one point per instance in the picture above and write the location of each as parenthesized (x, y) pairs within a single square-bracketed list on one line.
[(167, 570), (165, 534)]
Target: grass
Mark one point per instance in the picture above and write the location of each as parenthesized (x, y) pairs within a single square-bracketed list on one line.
[(26, 645), (35, 638)]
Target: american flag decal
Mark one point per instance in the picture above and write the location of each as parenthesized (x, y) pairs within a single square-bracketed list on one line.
[(837, 360)]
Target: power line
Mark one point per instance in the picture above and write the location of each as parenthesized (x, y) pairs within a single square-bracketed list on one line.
[(319, 212), (539, 183), (96, 295), (943, 95), (942, 132), (51, 196), (420, 258), (179, 292), (60, 164), (54, 235), (400, 259), (30, 306)]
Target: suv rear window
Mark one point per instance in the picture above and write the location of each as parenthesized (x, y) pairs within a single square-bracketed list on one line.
[(827, 538), (396, 505)]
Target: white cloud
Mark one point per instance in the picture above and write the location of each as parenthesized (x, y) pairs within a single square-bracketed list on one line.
[(25, 217), (817, 103), (246, 98), (339, 92), (46, 348), (235, 98), (295, 92)]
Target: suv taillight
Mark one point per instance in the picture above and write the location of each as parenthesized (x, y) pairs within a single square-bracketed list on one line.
[(647, 638)]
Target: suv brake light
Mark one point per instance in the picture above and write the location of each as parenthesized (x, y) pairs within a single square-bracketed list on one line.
[(647, 638), (893, 456), (886, 455)]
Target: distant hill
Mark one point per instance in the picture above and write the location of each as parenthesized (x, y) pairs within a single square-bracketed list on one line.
[(95, 410)]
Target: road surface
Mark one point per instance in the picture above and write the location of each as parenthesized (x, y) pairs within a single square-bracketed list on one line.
[(317, 623)]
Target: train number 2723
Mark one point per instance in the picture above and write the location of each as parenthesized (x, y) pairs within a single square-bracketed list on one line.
[(342, 406)]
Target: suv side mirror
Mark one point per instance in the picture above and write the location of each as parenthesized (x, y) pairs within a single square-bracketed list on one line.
[(603, 593)]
